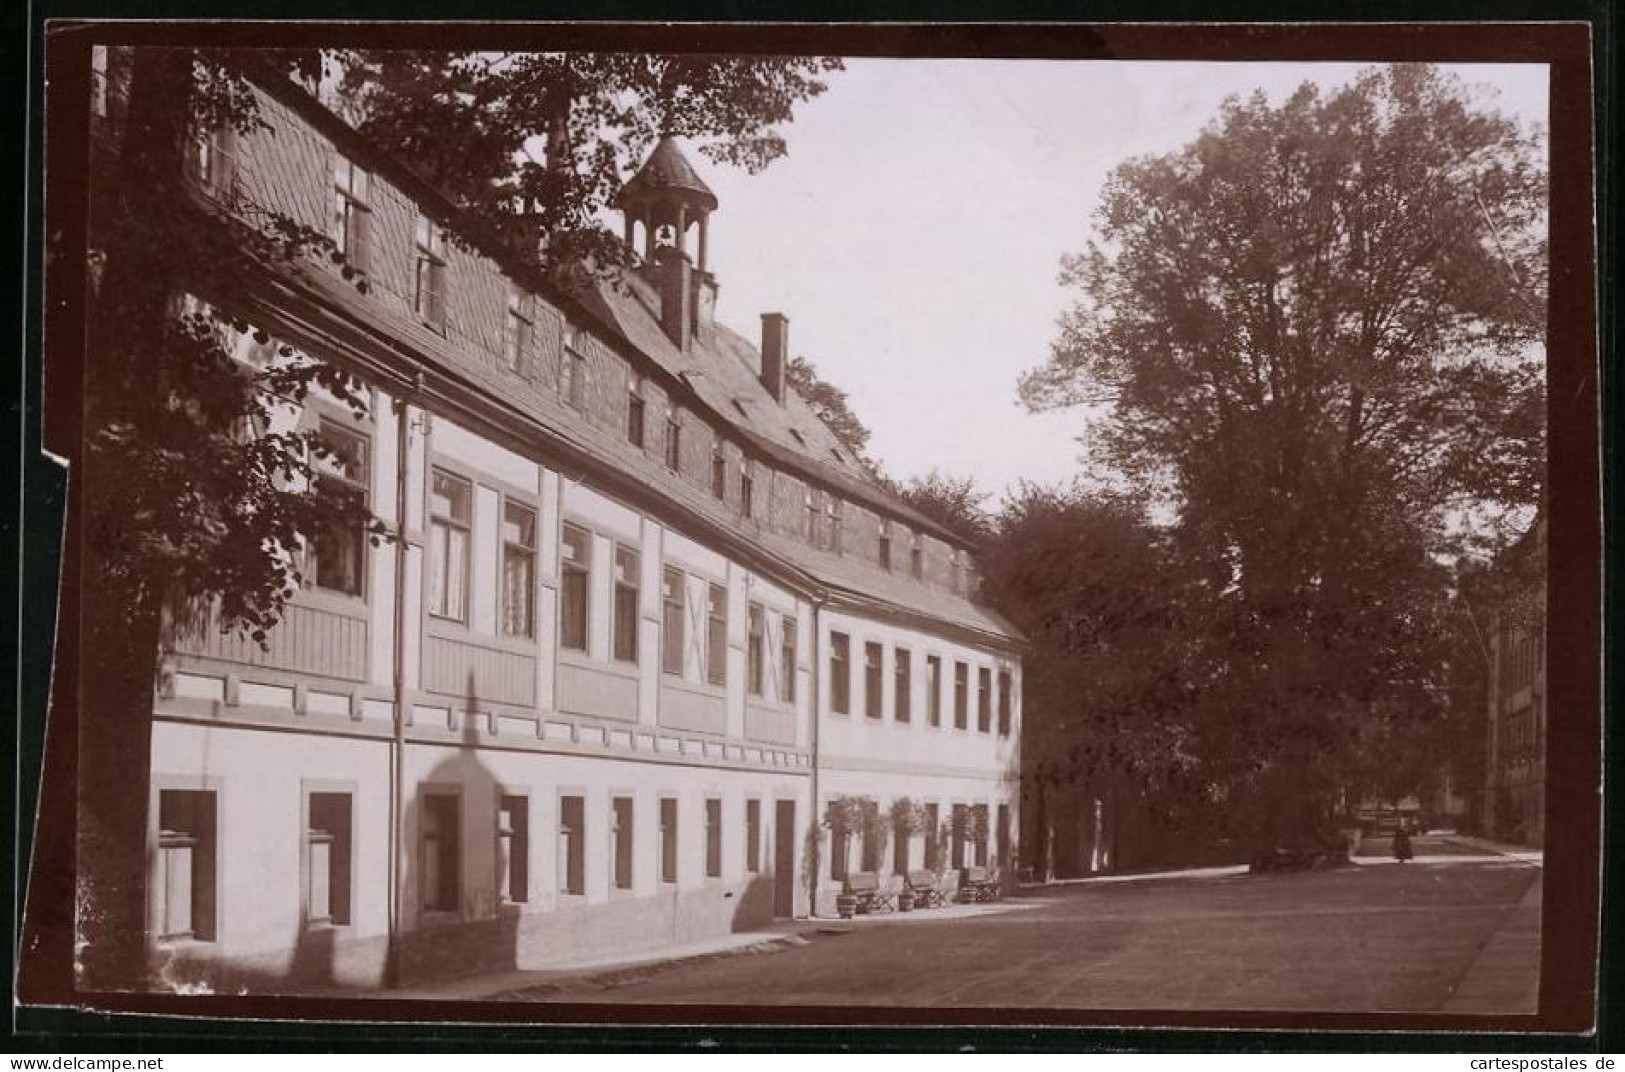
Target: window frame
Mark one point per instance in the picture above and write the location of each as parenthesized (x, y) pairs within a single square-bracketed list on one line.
[(961, 695), (673, 611), (518, 858), (874, 680), (512, 551), (351, 225), (620, 588), (719, 471), (670, 851), (571, 575), (519, 330), (984, 699), (902, 684), (329, 430), (431, 279), (570, 856), (788, 655), (716, 634), (840, 673), (713, 837), (437, 606), (933, 691), (755, 648), (674, 441), (449, 853), (341, 859), (573, 377), (1007, 686), (637, 412), (622, 842)]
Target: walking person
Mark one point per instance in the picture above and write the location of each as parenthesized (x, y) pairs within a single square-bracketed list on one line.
[(1402, 842)]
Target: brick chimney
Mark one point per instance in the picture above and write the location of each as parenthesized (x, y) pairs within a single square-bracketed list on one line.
[(676, 296), (775, 353)]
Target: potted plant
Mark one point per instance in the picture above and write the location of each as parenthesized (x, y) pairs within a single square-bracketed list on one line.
[(843, 817), (907, 819)]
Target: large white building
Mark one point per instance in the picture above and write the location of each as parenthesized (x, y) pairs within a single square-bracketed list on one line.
[(647, 616)]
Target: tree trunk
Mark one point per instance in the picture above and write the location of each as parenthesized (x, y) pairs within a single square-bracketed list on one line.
[(119, 626)]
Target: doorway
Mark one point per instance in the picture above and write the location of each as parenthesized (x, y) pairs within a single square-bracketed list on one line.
[(784, 860)]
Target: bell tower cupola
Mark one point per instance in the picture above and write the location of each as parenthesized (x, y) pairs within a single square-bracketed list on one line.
[(668, 199)]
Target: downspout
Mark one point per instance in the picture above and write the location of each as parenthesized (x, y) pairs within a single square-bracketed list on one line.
[(812, 697), (397, 740)]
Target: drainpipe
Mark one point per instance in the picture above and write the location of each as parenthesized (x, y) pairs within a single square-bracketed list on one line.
[(812, 696), (397, 741)]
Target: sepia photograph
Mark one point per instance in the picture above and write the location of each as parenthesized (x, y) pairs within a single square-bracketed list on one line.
[(790, 525)]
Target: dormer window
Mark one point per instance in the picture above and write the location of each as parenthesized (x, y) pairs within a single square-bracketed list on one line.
[(635, 410), (719, 471), (429, 277), (351, 224), (674, 441), (214, 161), (572, 376), (884, 548), (519, 333)]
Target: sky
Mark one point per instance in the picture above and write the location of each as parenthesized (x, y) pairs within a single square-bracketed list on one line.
[(913, 234)]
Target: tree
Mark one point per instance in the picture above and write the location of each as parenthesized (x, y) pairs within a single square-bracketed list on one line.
[(830, 404), (191, 509), (1315, 331), (952, 502), (537, 144), (1113, 670)]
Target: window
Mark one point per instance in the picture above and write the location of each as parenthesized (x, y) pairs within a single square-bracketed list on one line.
[(513, 849), (213, 160), (449, 513), (624, 642), (572, 378), (719, 471), (933, 855), (933, 690), (984, 700), (441, 852), (186, 857), (832, 516), (787, 660), (979, 842), (957, 834), (672, 603), (747, 490), (674, 442), (352, 218), (572, 845), (713, 838), (518, 570), (753, 836), (916, 560), (635, 410), (872, 656), (755, 653), (576, 571), (668, 839), (884, 551), (340, 547), (840, 674), (902, 846), (98, 80), (327, 858), (1004, 703), (812, 518), (902, 672), (429, 273), (519, 332), (620, 818), (961, 696), (716, 635)]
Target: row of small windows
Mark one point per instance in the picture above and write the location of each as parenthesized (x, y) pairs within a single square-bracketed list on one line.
[(188, 841), (840, 675), (965, 846)]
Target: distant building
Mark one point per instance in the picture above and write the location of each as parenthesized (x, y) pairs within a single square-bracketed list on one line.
[(1515, 778), (648, 615)]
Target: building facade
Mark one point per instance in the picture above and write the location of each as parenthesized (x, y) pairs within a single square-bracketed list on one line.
[(1515, 743), (644, 617)]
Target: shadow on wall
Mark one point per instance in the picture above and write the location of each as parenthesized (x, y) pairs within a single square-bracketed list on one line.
[(460, 918), (754, 905)]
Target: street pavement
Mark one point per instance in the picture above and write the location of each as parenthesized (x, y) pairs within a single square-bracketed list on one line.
[(1455, 930)]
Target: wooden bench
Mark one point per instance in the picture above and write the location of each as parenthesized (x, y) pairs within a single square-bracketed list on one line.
[(977, 884), (871, 895), (923, 885)]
